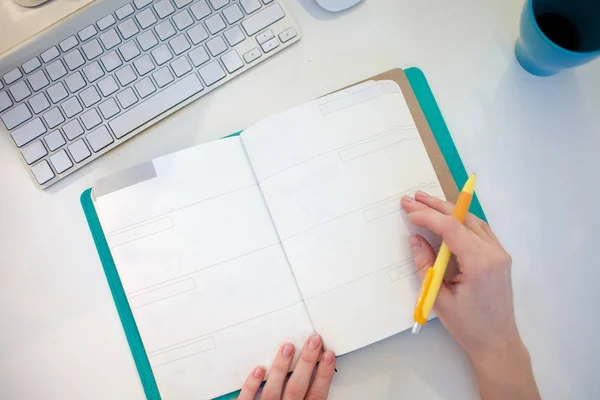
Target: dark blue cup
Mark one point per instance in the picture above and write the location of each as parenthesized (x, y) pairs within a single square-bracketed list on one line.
[(558, 34)]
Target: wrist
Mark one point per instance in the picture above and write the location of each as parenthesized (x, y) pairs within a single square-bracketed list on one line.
[(507, 350)]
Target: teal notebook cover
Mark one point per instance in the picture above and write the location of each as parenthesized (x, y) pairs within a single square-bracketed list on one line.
[(442, 135)]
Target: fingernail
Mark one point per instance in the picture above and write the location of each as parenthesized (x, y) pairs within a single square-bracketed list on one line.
[(314, 342), (422, 195), (259, 372), (414, 242), (408, 199), (327, 358), (287, 350)]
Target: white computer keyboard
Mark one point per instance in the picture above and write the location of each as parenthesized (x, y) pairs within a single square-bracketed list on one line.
[(117, 66)]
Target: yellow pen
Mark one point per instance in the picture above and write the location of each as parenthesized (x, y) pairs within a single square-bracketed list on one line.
[(435, 275)]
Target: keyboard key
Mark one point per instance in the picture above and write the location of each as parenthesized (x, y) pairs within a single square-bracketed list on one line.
[(79, 151), (53, 117), (155, 105), (61, 161), (75, 82), (216, 46), (215, 24), (16, 116), (234, 35), (39, 103), (141, 3), (143, 65), (74, 60), (72, 129), (265, 36), (124, 11), (125, 75), (250, 5), (110, 39), (108, 86), (163, 77), (211, 73), (287, 35), (147, 40), (92, 49), (252, 55), (111, 61), (145, 87), (262, 19), (232, 61), (99, 139), (128, 28), (31, 65), (38, 80), (182, 3), (183, 20), (56, 70), (34, 152), (127, 98), (146, 18), (163, 8), (106, 22), (93, 71), (181, 66), (71, 107), (54, 140), (50, 54), (270, 45), (89, 96), (179, 44), (68, 43), (87, 33), (42, 172), (109, 108), (91, 119), (20, 91), (233, 14), (200, 10), (57, 92), (5, 101), (12, 76), (267, 1), (218, 4), (165, 30), (197, 34), (129, 51), (28, 132), (161, 54), (198, 56)]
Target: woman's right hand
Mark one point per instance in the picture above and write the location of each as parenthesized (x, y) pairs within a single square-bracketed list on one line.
[(476, 303)]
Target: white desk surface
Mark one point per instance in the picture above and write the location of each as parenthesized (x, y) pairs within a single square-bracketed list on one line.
[(532, 141)]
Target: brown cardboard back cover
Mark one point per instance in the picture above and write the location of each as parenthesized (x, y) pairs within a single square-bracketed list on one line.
[(433, 151)]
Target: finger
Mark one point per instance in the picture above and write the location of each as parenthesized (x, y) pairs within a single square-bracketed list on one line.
[(252, 384), (446, 207), (319, 389), (297, 385), (459, 239), (424, 257), (279, 370), (423, 254)]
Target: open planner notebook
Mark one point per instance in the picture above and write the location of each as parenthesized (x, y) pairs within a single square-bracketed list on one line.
[(227, 249)]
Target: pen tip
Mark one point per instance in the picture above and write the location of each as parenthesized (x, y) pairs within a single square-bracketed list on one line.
[(416, 328)]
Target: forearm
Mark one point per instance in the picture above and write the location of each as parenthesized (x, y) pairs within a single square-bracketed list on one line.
[(506, 373)]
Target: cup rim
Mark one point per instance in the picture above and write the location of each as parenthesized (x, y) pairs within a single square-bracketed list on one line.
[(547, 39)]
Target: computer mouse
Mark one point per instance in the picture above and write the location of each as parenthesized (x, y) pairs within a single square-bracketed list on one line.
[(337, 5), (29, 3)]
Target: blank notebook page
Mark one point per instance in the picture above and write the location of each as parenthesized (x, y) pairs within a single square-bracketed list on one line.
[(332, 172), (207, 280)]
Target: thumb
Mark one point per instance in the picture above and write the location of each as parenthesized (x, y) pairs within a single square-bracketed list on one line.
[(424, 257), (423, 254)]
